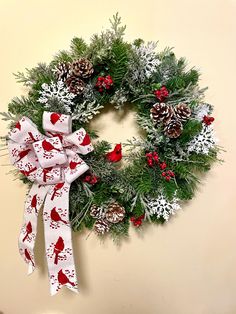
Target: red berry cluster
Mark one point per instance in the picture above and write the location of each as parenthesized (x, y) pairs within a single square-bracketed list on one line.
[(161, 94), (137, 221), (208, 120), (90, 179), (153, 158), (104, 83), (168, 175)]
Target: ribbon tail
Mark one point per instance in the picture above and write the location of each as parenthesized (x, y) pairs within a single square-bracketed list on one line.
[(58, 242), (28, 231)]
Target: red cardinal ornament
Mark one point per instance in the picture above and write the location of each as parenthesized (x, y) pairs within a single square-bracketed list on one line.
[(115, 155), (58, 248), (47, 146), (56, 217), (54, 117), (28, 257), (57, 187), (28, 231), (86, 140), (63, 279)]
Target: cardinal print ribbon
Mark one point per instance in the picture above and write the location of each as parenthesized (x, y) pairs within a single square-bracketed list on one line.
[(52, 163)]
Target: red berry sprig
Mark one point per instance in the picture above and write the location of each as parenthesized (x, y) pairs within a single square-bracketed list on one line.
[(137, 222), (152, 158), (104, 83), (168, 175), (208, 120), (161, 94), (90, 179)]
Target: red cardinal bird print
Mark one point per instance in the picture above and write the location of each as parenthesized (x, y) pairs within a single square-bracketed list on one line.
[(116, 154), (34, 202), (32, 137), (56, 217), (54, 117), (28, 229), (27, 173), (86, 140), (57, 187), (18, 126), (45, 172), (47, 146), (23, 153), (63, 279), (58, 248), (28, 257), (74, 164)]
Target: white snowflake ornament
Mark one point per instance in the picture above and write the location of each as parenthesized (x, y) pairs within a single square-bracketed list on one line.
[(163, 208), (57, 91), (203, 142)]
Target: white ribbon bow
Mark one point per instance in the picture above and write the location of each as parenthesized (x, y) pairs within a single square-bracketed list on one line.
[(52, 162)]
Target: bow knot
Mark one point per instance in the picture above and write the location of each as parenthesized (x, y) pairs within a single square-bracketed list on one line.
[(52, 157)]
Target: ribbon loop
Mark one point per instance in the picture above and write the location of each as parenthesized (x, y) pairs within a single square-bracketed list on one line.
[(52, 162)]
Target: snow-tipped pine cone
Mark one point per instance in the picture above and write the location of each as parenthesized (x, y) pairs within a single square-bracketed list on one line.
[(96, 212), (115, 213), (182, 112), (174, 128), (82, 68), (161, 113), (62, 71), (75, 85), (101, 226)]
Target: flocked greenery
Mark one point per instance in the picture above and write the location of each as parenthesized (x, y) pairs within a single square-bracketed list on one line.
[(133, 184)]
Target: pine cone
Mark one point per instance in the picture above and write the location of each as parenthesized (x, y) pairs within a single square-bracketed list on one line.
[(182, 112), (75, 85), (115, 213), (161, 112), (96, 212), (62, 71), (82, 68), (174, 128), (101, 226)]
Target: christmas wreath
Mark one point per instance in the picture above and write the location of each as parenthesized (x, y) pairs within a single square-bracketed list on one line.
[(163, 168)]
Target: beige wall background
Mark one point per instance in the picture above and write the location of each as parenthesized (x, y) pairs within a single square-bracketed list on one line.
[(185, 267)]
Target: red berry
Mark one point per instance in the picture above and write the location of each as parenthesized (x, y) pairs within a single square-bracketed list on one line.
[(208, 120), (168, 178), (162, 165), (163, 174)]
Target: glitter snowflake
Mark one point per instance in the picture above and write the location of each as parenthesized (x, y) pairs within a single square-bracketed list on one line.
[(163, 208), (203, 142), (146, 62), (56, 91)]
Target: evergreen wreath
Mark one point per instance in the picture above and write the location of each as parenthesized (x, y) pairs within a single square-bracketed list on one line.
[(163, 167)]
